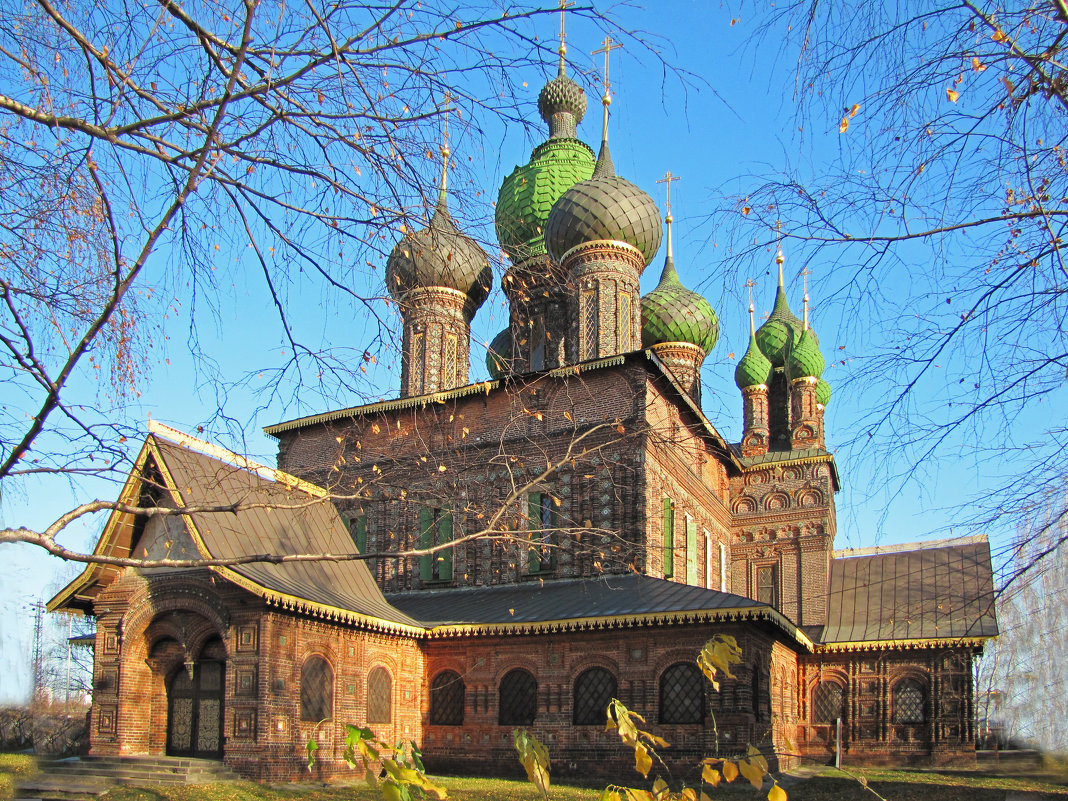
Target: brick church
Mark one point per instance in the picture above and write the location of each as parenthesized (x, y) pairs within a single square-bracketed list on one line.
[(579, 528)]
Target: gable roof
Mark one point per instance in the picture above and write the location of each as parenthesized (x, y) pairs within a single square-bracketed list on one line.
[(562, 604), (275, 514), (925, 593)]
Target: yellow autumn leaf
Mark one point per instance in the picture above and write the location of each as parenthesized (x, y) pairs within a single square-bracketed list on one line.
[(751, 772), (952, 95), (643, 763), (843, 126), (776, 793), (730, 770), (977, 65), (998, 35), (710, 775)]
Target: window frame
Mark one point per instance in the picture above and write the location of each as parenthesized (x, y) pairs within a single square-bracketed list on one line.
[(321, 706), (694, 677), (444, 688), (512, 715), (591, 712), (379, 694)]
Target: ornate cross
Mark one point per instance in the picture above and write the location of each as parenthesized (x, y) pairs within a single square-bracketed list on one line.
[(609, 46), (668, 179)]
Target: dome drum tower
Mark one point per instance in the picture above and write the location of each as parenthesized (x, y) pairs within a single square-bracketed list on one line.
[(604, 304), (436, 340)]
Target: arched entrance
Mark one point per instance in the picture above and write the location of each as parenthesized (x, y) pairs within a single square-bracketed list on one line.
[(195, 693)]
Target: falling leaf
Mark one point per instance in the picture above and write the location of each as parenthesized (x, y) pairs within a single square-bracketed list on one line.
[(843, 126), (952, 95)]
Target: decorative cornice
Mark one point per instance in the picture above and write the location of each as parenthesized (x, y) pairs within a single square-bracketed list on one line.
[(597, 247), (900, 645), (753, 614)]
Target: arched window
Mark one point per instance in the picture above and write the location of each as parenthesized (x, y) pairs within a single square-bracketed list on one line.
[(909, 702), (379, 696), (447, 699), (316, 690), (682, 694), (517, 699), (828, 702), (594, 689)]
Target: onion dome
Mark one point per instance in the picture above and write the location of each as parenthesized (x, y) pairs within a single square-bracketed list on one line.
[(780, 332), (673, 313), (439, 256), (499, 355), (562, 104), (754, 368), (805, 358), (527, 195), (823, 392), (606, 207)]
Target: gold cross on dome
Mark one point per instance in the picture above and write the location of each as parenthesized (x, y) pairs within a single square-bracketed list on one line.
[(608, 47), (668, 179)]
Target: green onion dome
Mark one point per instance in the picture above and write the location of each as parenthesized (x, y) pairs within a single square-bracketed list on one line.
[(754, 368), (823, 392), (781, 332), (673, 313), (606, 207), (499, 355), (439, 256), (805, 358), (527, 195)]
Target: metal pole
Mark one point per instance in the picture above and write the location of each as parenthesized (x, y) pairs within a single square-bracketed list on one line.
[(838, 743), (70, 633)]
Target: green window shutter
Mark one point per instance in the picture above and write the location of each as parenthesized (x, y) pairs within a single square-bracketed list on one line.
[(445, 535), (426, 540), (691, 551), (534, 515), (669, 538), (358, 530)]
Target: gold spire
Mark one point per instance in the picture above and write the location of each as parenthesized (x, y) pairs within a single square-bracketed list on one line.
[(779, 258), (609, 46), (752, 323), (668, 179), (804, 274), (564, 5), (445, 152)]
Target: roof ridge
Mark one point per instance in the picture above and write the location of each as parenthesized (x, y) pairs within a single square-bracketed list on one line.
[(219, 453), (926, 545)]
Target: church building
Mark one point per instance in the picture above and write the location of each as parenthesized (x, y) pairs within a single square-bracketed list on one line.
[(576, 529)]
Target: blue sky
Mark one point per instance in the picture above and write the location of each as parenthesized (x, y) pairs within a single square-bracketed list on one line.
[(734, 120)]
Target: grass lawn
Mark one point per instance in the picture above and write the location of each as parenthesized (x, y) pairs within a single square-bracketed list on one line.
[(12, 768), (828, 785)]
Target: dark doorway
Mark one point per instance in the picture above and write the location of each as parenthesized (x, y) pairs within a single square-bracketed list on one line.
[(195, 708)]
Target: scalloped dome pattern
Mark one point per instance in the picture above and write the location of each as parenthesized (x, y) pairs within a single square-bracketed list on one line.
[(754, 367), (805, 357), (439, 256), (562, 94), (527, 195), (673, 313), (823, 392), (606, 207)]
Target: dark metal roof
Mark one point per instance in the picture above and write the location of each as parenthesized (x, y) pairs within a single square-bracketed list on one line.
[(578, 603), (942, 591), (285, 518)]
